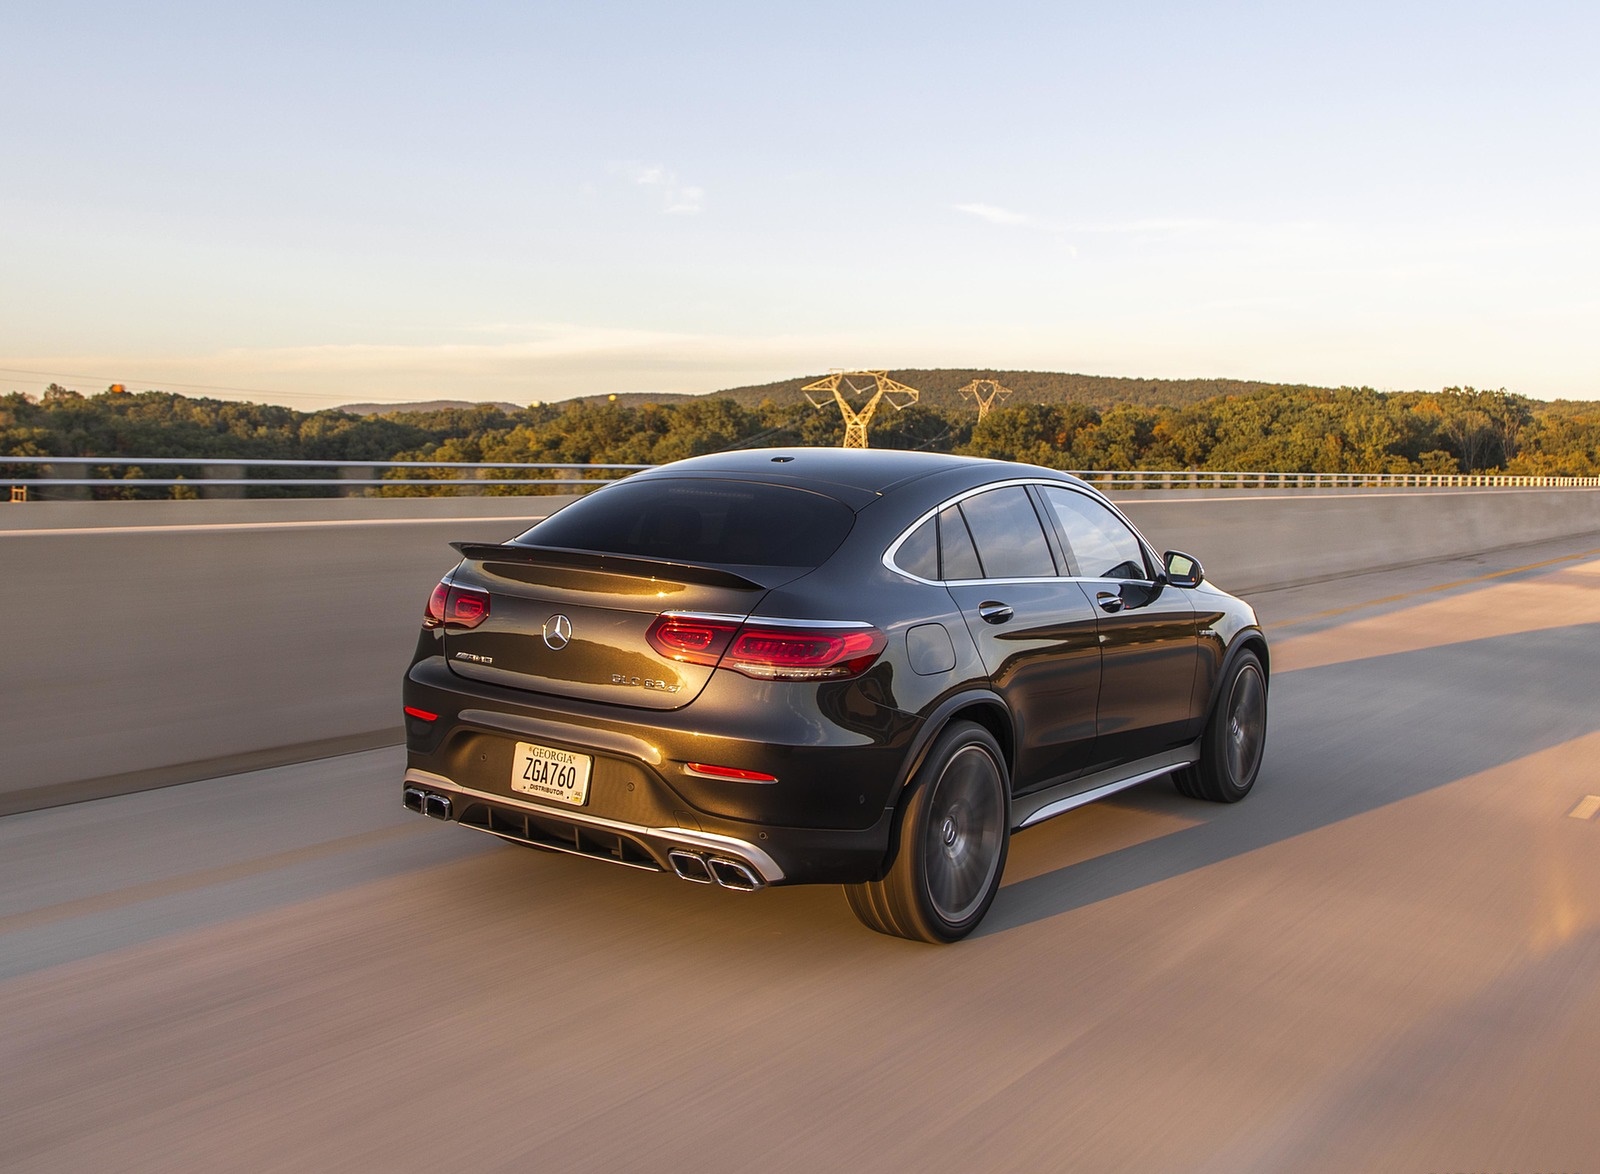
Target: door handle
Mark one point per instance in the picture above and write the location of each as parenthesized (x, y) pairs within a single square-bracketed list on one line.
[(994, 613), (1109, 601)]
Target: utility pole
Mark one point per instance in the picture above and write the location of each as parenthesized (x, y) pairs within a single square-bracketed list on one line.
[(856, 420)]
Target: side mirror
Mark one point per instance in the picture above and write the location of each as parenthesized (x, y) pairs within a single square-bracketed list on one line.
[(1183, 570)]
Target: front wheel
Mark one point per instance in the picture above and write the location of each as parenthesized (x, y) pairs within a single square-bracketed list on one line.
[(1235, 737), (949, 854)]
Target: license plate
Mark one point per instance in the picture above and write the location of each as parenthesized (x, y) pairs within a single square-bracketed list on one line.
[(550, 773)]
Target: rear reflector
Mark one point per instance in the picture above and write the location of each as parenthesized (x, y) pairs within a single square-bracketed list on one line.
[(768, 651), (729, 772), (413, 711)]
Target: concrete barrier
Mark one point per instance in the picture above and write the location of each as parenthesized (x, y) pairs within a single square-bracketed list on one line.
[(1251, 541), (152, 643)]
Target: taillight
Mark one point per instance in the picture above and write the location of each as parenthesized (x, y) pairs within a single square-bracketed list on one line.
[(804, 654), (434, 615), (691, 639), (466, 607), (766, 651), (456, 607)]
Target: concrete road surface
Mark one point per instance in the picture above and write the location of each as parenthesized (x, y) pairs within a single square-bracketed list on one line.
[(1386, 959)]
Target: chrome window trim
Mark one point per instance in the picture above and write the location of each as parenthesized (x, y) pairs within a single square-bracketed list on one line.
[(894, 547)]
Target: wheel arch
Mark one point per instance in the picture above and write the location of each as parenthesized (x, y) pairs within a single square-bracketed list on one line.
[(976, 705), (1247, 640)]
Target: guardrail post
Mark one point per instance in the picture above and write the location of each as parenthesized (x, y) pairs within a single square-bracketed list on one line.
[(221, 472), (66, 492), (19, 493), (356, 473)]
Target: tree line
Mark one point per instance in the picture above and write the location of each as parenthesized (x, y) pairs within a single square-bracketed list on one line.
[(1271, 428)]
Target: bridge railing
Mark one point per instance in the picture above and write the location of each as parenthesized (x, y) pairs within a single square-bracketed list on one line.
[(217, 476), (1125, 479), (209, 475)]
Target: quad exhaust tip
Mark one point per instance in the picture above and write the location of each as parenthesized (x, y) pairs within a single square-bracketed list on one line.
[(706, 870), (427, 803)]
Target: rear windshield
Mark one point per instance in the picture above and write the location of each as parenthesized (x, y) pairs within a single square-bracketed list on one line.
[(701, 521)]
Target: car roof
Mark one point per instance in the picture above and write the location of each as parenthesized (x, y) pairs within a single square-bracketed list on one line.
[(853, 474)]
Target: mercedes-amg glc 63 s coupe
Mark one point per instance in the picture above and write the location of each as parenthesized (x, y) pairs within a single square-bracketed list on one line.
[(813, 665)]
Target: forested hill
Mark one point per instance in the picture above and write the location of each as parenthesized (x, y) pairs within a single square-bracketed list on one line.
[(941, 388), (1269, 428)]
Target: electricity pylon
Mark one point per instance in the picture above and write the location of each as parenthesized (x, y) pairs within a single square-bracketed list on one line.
[(985, 392), (856, 421)]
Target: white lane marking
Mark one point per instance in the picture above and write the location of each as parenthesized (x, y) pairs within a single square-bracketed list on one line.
[(223, 527), (1586, 809)]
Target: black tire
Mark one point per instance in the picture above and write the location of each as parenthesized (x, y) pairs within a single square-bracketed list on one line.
[(1235, 737), (950, 850)]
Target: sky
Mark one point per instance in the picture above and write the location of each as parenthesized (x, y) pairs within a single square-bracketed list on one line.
[(315, 204)]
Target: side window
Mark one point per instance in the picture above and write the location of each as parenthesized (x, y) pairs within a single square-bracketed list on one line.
[(958, 558), (1099, 543), (919, 553), (1011, 542)]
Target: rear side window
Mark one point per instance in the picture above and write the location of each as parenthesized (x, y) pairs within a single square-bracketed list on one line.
[(702, 521), (958, 558), (919, 553), (1011, 541)]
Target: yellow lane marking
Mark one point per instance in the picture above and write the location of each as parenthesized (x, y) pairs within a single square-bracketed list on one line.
[(1587, 808), (1404, 595)]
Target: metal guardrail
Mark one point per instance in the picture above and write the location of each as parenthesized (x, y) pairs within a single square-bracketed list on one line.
[(224, 473), (1209, 479), (216, 473)]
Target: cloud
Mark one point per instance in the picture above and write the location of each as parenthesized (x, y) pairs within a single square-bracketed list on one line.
[(677, 198), (1152, 226), (1007, 218)]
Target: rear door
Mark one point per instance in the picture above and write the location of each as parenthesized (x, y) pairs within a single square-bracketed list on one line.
[(1149, 643), (1037, 633)]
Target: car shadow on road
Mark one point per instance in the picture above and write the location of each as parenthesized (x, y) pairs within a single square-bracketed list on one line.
[(1343, 739)]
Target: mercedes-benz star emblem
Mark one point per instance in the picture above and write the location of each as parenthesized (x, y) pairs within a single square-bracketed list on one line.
[(557, 632)]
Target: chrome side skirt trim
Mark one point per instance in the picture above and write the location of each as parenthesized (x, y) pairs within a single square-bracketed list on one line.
[(705, 841), (1053, 801)]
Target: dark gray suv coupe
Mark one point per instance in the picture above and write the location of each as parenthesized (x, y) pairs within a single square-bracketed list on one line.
[(800, 666)]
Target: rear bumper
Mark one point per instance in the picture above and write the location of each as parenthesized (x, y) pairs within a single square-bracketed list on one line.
[(581, 834), (751, 860), (836, 751)]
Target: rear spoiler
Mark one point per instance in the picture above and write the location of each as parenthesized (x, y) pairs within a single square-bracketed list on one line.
[(613, 564)]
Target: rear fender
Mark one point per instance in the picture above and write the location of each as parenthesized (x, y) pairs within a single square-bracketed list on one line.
[(998, 719)]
